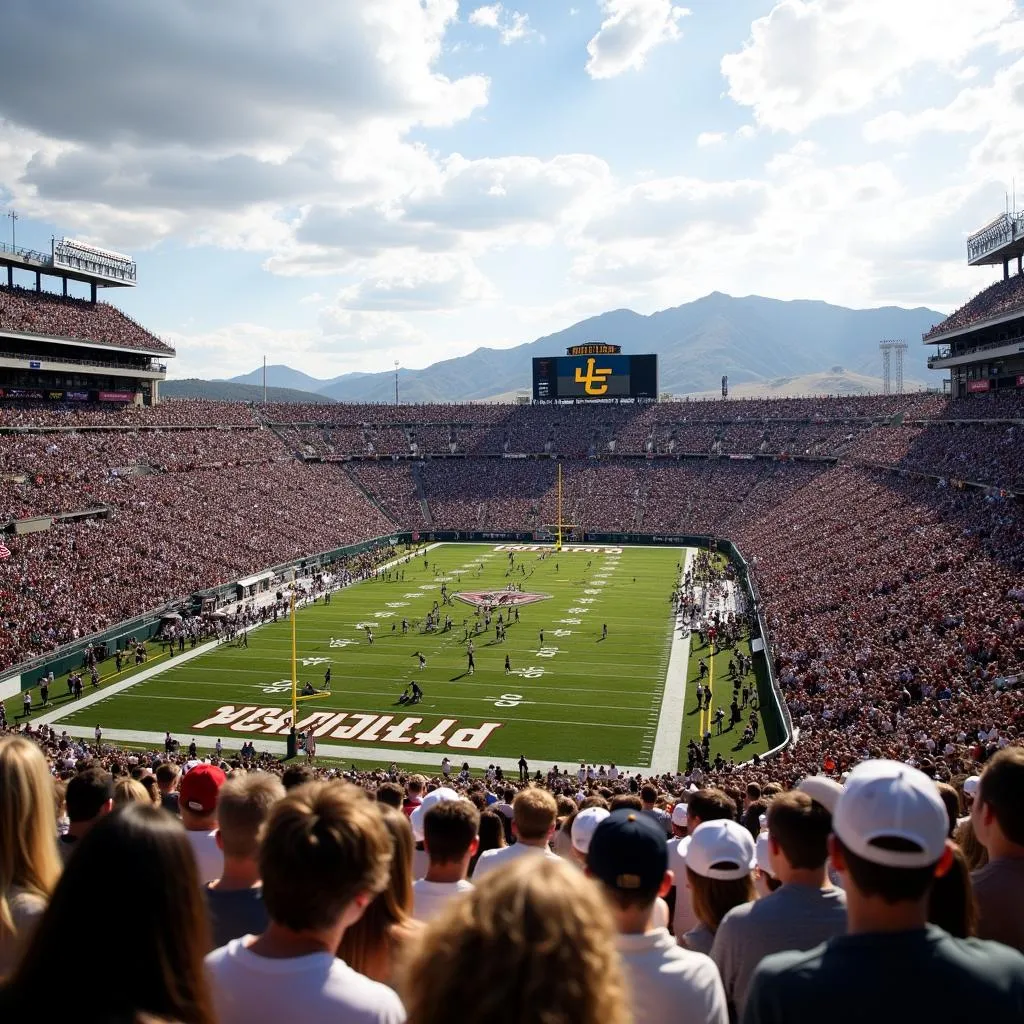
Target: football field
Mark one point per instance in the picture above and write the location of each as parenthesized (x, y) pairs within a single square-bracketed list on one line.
[(569, 692)]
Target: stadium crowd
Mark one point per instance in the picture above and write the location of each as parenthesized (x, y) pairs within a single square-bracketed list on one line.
[(32, 312), (251, 889), (1004, 296)]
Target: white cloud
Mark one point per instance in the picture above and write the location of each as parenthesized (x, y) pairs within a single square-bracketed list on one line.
[(710, 139), (630, 30), (810, 59), (510, 25), (411, 283)]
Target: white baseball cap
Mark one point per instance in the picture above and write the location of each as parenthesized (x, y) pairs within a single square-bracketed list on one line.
[(721, 849), (764, 860), (822, 790), (432, 799), (584, 825), (971, 784), (890, 800), (679, 815)]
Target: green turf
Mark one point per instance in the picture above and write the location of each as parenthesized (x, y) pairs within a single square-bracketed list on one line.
[(575, 697)]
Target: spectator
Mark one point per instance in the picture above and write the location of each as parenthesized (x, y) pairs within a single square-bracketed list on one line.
[(325, 855), (390, 793), (951, 903), (703, 805), (628, 856), (584, 825), (420, 857), (414, 794), (450, 835), (648, 799), (491, 836), (376, 943), (130, 791), (134, 880), (535, 938), (719, 863), (533, 823), (889, 841), (197, 803), (998, 819), (167, 776), (29, 865), (296, 775), (90, 795), (235, 900), (804, 911)]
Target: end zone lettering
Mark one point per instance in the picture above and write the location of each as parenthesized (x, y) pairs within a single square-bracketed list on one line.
[(361, 728), (565, 551)]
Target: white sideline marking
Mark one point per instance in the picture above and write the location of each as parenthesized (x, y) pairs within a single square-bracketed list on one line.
[(165, 666), (667, 739)]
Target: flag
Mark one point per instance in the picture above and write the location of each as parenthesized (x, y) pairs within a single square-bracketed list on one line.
[(5, 552)]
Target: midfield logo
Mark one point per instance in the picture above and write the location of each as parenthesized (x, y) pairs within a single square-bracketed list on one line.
[(498, 598), (595, 382)]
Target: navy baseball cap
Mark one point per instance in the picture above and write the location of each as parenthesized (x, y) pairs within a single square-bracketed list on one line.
[(628, 851)]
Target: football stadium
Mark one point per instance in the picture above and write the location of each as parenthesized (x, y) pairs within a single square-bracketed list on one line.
[(587, 704)]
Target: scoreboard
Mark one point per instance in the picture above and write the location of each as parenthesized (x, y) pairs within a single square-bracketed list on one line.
[(561, 378)]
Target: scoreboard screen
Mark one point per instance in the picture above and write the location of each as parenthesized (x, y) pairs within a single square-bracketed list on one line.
[(586, 376)]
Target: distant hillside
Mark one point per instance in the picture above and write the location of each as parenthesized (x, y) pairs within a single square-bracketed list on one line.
[(226, 391), (836, 381), (753, 340)]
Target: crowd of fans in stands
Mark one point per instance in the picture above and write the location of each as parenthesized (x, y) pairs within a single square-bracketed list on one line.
[(251, 889), (1004, 296), (32, 312)]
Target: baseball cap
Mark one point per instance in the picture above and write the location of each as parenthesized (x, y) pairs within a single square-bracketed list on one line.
[(721, 849), (628, 851), (822, 790), (679, 815), (584, 825), (764, 860), (971, 784), (199, 788), (890, 800), (432, 799)]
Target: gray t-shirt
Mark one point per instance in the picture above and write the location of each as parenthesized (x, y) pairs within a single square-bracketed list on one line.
[(234, 913), (794, 917), (999, 893)]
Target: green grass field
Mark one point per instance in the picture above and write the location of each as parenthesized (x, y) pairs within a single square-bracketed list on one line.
[(571, 697)]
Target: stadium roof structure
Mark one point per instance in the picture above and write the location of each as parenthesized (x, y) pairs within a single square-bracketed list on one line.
[(998, 242), (73, 261)]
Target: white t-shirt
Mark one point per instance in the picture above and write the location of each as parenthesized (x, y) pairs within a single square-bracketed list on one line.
[(420, 863), (316, 989), (667, 983), (491, 860), (209, 859), (684, 918), (429, 898)]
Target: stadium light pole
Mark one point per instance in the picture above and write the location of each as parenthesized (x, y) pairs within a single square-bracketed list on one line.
[(396, 382), (14, 219)]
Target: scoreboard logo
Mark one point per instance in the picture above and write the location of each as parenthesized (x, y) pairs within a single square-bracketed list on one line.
[(594, 381)]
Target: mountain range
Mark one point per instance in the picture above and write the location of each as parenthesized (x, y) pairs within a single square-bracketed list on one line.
[(753, 340)]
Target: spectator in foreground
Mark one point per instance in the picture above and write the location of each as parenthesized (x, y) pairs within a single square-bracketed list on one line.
[(719, 865), (889, 842), (534, 935), (197, 803), (133, 878), (804, 911), (168, 775), (628, 856), (376, 944), (997, 815), (89, 796), (534, 812), (325, 855), (235, 900), (491, 836), (29, 864), (450, 837), (130, 791)]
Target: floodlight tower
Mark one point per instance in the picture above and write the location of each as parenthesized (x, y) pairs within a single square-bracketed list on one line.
[(888, 349)]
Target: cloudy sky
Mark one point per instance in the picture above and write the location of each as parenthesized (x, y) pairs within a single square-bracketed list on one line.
[(342, 183)]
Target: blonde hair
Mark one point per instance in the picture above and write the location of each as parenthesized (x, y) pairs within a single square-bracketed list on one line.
[(975, 855), (244, 803), (130, 791), (534, 812), (537, 940), (368, 945), (28, 828)]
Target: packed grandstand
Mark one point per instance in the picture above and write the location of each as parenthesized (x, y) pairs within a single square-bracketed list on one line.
[(883, 535)]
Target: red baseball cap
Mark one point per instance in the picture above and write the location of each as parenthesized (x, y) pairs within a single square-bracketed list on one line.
[(199, 788)]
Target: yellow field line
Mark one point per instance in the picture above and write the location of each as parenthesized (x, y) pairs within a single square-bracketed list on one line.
[(710, 688)]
